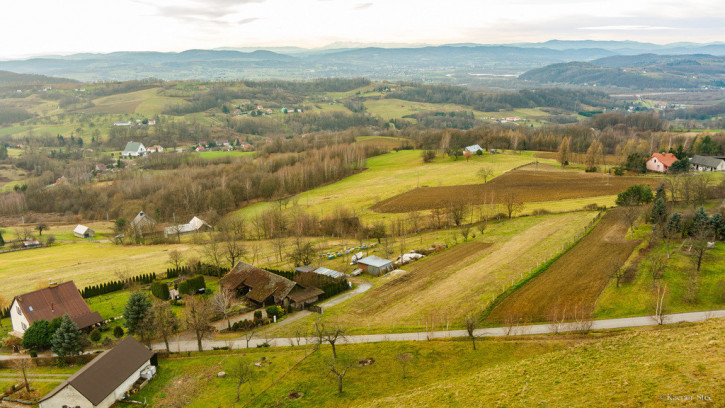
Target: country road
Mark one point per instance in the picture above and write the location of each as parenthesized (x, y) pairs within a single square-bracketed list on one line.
[(190, 345)]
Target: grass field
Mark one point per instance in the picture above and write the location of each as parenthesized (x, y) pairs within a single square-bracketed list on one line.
[(440, 290), (636, 297), (616, 368), (147, 102), (525, 185), (84, 263), (395, 173), (575, 280)]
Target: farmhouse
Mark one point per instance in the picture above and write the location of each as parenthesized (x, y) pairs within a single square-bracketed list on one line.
[(375, 265), (81, 231), (155, 149), (195, 225), (707, 163), (142, 223), (49, 303), (264, 288), (133, 149), (124, 123), (473, 149), (661, 162), (100, 167), (104, 380)]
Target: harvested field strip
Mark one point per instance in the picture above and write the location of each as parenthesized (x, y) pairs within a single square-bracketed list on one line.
[(575, 280), (526, 185)]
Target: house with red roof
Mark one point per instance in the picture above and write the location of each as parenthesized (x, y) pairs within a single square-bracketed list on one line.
[(661, 162)]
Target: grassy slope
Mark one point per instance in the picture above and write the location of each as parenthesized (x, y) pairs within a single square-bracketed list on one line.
[(394, 173), (443, 295), (637, 297), (146, 102), (630, 369), (85, 263)]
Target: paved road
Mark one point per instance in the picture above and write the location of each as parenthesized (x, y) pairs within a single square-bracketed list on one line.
[(186, 345)]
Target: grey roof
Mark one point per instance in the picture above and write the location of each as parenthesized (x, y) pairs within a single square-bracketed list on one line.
[(99, 378), (329, 272), (142, 220), (132, 147), (708, 161), (374, 260)]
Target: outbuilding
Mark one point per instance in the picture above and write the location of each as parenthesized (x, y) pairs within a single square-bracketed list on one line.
[(707, 163), (375, 265), (106, 379), (81, 231)]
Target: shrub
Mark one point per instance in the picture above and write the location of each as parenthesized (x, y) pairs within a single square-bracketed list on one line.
[(95, 335), (592, 169), (257, 315), (618, 171), (275, 311), (263, 345), (160, 290), (118, 332), (191, 286), (33, 354), (428, 156)]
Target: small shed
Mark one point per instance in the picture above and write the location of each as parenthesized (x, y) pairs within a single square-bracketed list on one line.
[(375, 265), (81, 231)]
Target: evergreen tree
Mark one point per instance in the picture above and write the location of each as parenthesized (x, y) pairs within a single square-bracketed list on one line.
[(66, 341), (660, 192), (658, 215), (136, 309)]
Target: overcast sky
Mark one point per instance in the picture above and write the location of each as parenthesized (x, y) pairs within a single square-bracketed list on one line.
[(36, 27)]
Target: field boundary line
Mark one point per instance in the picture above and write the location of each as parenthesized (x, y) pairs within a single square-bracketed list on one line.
[(539, 270)]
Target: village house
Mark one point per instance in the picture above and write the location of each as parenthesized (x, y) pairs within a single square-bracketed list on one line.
[(155, 149), (133, 149), (122, 123), (473, 149), (267, 288), (142, 223), (100, 167), (48, 303), (707, 163), (661, 162), (375, 265), (81, 231), (106, 379), (195, 225)]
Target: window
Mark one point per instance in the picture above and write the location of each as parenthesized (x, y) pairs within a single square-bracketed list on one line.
[(24, 326), (17, 309)]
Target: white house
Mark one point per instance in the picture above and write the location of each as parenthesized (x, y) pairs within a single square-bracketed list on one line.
[(124, 123), (707, 163), (81, 231), (473, 149), (105, 379), (133, 149), (194, 225)]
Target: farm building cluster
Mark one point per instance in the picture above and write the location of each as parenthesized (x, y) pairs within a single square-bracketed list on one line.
[(662, 162)]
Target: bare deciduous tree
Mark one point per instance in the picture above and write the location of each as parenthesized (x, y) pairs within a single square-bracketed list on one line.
[(471, 325), (23, 365), (485, 173), (234, 250), (166, 321), (242, 373), (248, 336), (512, 203), (176, 258), (339, 368), (222, 302), (660, 307), (329, 334), (213, 251), (199, 313), (403, 360)]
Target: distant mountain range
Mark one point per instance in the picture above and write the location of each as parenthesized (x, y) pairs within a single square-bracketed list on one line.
[(645, 71), (450, 63), (11, 78)]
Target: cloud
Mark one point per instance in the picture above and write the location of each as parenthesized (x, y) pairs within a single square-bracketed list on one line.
[(196, 10), (626, 28), (363, 6), (247, 20)]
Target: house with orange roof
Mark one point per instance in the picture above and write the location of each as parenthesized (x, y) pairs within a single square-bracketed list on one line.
[(661, 162)]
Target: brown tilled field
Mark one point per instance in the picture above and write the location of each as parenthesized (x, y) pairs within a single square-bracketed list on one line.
[(527, 185), (573, 282)]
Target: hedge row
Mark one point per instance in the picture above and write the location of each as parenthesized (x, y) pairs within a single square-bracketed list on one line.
[(199, 268), (113, 286), (191, 286)]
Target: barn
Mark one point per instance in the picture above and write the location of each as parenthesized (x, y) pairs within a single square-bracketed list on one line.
[(81, 231)]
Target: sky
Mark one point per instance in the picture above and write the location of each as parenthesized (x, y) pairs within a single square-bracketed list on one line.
[(42, 27)]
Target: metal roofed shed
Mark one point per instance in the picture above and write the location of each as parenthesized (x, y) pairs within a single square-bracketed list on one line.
[(375, 265), (329, 272), (81, 231)]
